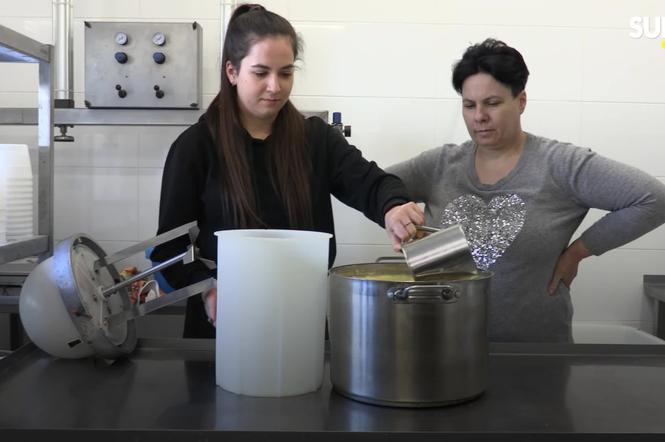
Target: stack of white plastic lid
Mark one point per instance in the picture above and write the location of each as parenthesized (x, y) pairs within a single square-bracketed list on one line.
[(16, 193)]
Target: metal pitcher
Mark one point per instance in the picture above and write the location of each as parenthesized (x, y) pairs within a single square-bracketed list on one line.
[(441, 251)]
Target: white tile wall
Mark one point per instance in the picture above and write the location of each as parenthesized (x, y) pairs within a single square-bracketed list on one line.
[(110, 247), (150, 181), (99, 201), (25, 77), (178, 9), (627, 133), (17, 99), (117, 9), (102, 146), (513, 13), (38, 28), (386, 65), (154, 143), (351, 227), (558, 120), (33, 21), (27, 9), (400, 130), (619, 68), (600, 295)]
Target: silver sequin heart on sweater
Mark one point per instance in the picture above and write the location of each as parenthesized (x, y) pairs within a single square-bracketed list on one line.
[(489, 228)]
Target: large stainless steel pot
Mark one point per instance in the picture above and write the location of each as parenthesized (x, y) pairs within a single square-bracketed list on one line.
[(403, 343)]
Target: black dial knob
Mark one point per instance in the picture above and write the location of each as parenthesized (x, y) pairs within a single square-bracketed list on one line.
[(159, 57), (121, 92), (158, 92), (121, 57)]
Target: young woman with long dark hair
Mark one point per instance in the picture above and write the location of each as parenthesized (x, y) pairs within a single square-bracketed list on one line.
[(253, 161)]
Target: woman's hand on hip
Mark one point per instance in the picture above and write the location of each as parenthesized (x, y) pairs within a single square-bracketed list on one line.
[(566, 267), (401, 222)]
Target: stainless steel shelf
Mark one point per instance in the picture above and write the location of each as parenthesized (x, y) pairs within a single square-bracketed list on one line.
[(114, 117), (15, 47), (18, 48), (21, 249)]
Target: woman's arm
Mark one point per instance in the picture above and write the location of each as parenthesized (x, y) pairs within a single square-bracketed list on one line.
[(635, 202), (417, 173), (634, 199), (360, 183), (364, 186), (183, 181)]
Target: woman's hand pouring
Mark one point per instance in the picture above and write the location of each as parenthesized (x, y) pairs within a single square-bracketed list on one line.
[(401, 222)]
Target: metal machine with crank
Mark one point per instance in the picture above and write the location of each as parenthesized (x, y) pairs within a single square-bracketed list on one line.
[(75, 304)]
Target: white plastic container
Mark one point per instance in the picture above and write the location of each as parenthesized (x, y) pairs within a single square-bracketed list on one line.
[(271, 308), (16, 193)]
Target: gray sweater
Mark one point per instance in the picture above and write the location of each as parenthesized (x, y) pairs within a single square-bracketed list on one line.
[(519, 226)]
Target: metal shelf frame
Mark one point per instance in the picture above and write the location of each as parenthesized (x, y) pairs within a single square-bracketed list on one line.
[(18, 48), (21, 116)]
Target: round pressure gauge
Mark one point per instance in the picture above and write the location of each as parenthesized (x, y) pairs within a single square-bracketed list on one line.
[(121, 38), (159, 39)]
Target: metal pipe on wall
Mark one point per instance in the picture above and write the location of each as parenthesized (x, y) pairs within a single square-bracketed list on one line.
[(64, 48), (227, 8), (63, 42), (45, 183)]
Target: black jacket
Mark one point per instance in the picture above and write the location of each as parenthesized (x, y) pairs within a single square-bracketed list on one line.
[(191, 191)]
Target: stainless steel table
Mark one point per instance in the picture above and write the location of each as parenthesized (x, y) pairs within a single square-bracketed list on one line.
[(654, 288), (12, 276), (166, 392)]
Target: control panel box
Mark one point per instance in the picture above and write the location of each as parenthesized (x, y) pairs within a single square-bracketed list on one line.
[(142, 65)]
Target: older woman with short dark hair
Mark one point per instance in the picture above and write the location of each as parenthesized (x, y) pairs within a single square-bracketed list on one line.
[(520, 197)]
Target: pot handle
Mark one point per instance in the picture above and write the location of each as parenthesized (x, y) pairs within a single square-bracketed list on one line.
[(424, 294)]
